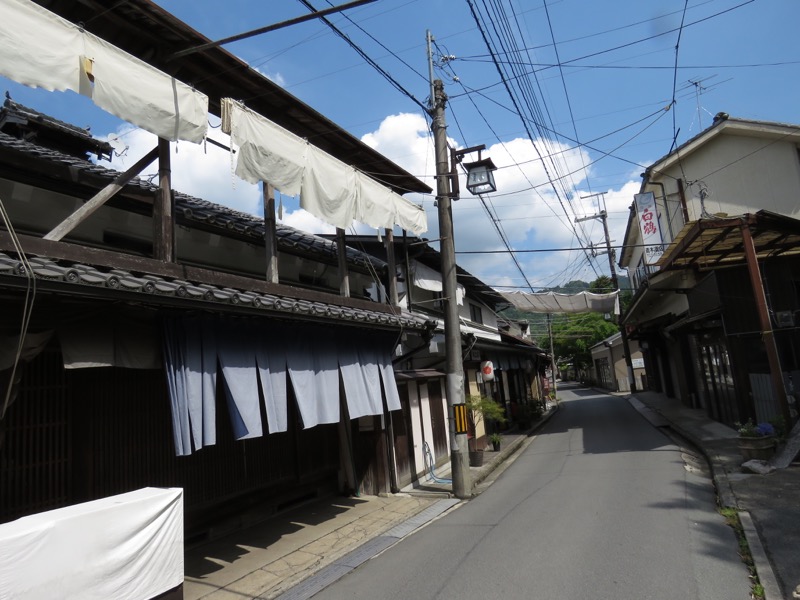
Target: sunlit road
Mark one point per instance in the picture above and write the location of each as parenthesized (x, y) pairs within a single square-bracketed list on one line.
[(600, 506)]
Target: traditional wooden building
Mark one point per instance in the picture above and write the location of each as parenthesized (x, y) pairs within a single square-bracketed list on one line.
[(711, 248), (518, 364), (119, 370)]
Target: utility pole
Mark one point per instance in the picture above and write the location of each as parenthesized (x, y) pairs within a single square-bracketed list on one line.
[(454, 384), (552, 355), (603, 216)]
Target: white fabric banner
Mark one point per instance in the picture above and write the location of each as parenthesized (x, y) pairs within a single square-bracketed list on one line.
[(271, 360), (313, 369), (200, 378), (361, 378), (267, 151), (238, 362), (40, 49), (429, 279), (329, 189), (551, 302), (126, 547), (389, 382)]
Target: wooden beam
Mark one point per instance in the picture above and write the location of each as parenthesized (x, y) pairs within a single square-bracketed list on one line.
[(341, 252), (767, 334), (241, 36), (270, 237), (163, 219), (139, 264), (100, 198), (394, 298)]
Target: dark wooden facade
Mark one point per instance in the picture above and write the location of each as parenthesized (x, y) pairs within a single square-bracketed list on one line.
[(81, 434)]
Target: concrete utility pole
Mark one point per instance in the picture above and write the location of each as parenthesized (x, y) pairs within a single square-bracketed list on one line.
[(603, 216), (454, 385)]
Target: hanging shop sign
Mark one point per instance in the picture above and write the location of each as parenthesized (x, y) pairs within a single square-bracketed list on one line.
[(648, 225)]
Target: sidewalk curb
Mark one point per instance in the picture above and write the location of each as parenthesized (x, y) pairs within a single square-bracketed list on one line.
[(512, 448), (329, 574), (766, 576), (726, 498)]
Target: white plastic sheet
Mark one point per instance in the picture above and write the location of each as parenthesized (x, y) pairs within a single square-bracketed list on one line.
[(329, 189), (40, 49), (553, 303), (126, 547)]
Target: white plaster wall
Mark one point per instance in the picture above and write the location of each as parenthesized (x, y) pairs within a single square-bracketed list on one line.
[(742, 174)]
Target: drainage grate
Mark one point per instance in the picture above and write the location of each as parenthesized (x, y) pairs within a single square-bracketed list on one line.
[(324, 577), (316, 583), (430, 513), (366, 551)]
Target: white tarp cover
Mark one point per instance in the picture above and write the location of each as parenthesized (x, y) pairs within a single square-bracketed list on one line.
[(40, 49), (329, 189), (126, 547), (429, 279), (551, 302)]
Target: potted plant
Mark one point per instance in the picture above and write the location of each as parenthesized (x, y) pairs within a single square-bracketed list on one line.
[(528, 413), (496, 439), (756, 441), (480, 409)]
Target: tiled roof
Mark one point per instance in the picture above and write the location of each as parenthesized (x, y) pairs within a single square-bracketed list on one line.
[(15, 114), (194, 210), (75, 274)]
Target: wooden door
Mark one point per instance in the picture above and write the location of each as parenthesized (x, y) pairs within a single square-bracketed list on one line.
[(403, 442), (438, 419)]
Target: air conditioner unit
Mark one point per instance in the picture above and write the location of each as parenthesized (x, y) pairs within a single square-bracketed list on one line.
[(784, 318)]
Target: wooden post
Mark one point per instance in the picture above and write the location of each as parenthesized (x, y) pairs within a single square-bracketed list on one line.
[(767, 334), (270, 238), (100, 198), (344, 275), (394, 299), (163, 231)]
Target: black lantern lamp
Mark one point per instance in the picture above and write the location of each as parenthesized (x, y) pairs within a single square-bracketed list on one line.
[(480, 179)]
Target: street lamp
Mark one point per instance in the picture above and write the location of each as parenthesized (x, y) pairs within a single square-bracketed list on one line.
[(480, 179), (479, 176)]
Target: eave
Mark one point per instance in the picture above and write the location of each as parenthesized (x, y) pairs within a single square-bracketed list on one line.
[(147, 31)]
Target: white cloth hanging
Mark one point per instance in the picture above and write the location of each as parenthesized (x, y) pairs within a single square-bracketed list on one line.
[(329, 189), (40, 49)]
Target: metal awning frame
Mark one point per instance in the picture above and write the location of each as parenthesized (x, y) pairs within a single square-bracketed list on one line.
[(741, 241)]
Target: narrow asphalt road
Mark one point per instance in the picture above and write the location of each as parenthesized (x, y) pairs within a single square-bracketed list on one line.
[(600, 505)]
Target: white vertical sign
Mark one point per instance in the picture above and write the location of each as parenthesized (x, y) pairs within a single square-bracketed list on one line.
[(648, 225)]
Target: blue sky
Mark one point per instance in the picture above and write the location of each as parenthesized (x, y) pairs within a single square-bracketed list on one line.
[(595, 99)]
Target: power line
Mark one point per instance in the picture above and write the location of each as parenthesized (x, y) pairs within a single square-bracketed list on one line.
[(367, 58)]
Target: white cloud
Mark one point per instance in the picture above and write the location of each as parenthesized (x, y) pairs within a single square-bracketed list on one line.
[(305, 221), (201, 170), (277, 78), (526, 208), (531, 212)]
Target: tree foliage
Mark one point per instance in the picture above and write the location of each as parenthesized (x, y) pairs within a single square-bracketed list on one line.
[(573, 335)]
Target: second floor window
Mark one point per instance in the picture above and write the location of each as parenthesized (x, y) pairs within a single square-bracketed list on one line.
[(475, 314)]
